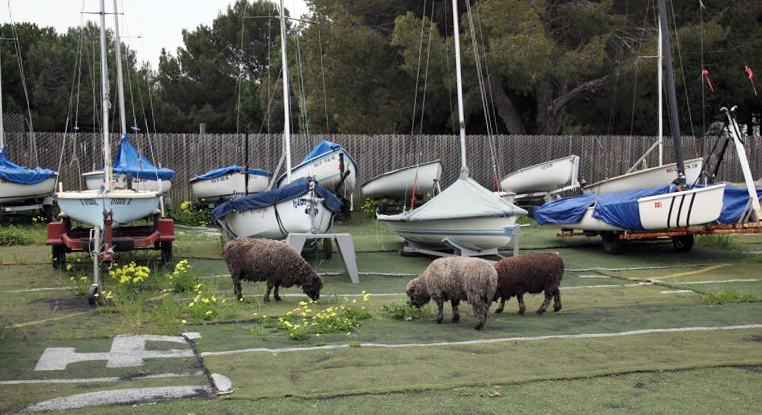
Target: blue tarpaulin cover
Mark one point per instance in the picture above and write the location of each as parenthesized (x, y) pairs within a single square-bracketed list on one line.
[(14, 173), (617, 209), (129, 161), (211, 174), (322, 148), (733, 203), (294, 190)]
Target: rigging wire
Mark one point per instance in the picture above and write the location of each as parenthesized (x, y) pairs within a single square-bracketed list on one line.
[(682, 67), (322, 74), (240, 75)]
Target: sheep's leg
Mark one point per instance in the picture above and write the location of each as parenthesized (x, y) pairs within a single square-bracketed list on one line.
[(440, 306), (557, 299), (455, 312), (501, 306), (522, 308), (275, 294), (237, 289), (267, 293), (480, 312), (546, 303)]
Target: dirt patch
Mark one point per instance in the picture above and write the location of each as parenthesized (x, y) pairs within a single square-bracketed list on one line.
[(613, 405), (640, 385), (755, 338), (473, 350), (751, 368), (62, 304)]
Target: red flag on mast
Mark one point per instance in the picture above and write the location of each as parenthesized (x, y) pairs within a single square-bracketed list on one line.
[(705, 74), (751, 78)]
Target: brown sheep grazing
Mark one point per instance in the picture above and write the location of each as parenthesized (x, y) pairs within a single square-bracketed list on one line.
[(273, 261), (454, 279), (530, 273)]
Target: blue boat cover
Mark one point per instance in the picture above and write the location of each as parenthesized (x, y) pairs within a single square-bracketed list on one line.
[(129, 161), (322, 148), (617, 209), (733, 203), (14, 173), (296, 189), (211, 174)]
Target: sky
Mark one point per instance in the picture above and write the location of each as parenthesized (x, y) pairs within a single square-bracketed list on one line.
[(147, 25)]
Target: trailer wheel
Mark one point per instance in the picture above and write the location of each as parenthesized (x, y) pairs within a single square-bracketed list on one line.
[(683, 243), (611, 243), (93, 295), (49, 213), (166, 252), (59, 257)]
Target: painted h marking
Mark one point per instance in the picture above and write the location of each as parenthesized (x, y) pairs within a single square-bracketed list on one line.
[(126, 351)]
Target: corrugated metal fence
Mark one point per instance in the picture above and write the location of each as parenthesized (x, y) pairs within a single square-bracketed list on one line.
[(192, 154)]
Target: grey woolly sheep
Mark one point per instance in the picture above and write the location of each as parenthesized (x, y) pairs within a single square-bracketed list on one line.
[(530, 273), (273, 261), (456, 278)]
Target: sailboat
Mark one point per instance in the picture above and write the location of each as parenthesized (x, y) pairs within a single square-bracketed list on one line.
[(329, 164), (226, 182), (124, 205), (646, 208), (19, 184), (465, 217), (421, 179), (299, 206)]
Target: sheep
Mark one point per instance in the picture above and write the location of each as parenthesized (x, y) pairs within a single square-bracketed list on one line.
[(530, 273), (456, 278), (273, 261)]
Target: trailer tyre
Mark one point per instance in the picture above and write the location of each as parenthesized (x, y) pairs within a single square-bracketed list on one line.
[(166, 252), (93, 295), (59, 257), (611, 243), (683, 243)]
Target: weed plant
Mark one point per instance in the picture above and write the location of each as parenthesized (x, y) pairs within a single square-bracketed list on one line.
[(726, 297), (405, 311)]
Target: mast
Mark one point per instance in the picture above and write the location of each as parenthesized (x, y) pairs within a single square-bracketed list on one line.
[(2, 127), (286, 96), (461, 121), (104, 100), (119, 76), (660, 63), (674, 122)]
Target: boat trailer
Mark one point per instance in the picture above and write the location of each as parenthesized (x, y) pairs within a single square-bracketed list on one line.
[(103, 244)]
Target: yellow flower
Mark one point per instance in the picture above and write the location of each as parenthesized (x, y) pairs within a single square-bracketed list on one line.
[(184, 321), (205, 300), (69, 267), (209, 312)]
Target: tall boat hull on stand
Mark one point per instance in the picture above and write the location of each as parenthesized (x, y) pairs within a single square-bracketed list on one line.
[(125, 205), (15, 192), (543, 177), (332, 167), (652, 177), (397, 184)]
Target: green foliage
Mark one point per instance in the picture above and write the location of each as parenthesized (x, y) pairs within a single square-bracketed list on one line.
[(405, 311), (726, 242), (726, 297), (301, 322), (182, 278), (205, 307), (80, 285), (14, 235), (187, 215)]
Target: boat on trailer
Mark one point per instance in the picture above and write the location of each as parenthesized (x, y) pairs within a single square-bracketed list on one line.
[(651, 177), (465, 219), (550, 176), (421, 179), (297, 206), (226, 182)]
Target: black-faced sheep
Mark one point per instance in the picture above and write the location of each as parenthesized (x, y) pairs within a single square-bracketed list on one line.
[(273, 261), (454, 279), (530, 273)]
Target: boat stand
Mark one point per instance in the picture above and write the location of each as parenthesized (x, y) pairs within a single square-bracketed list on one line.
[(343, 241), (45, 207), (453, 248)]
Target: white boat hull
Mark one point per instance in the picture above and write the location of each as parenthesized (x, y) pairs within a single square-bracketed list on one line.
[(478, 233), (399, 184), (227, 186), (126, 206), (652, 177), (94, 180), (266, 222), (14, 192), (543, 177), (692, 207), (326, 169)]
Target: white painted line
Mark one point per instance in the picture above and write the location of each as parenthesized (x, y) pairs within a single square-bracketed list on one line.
[(643, 268), (31, 290), (677, 292), (106, 379), (191, 335), (593, 276), (715, 281), (120, 396), (489, 341)]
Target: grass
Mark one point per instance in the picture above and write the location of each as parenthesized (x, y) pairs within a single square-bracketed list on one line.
[(725, 242), (15, 235), (726, 297), (406, 311)]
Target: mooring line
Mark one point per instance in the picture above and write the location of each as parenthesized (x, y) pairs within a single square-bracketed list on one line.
[(698, 271), (488, 341)]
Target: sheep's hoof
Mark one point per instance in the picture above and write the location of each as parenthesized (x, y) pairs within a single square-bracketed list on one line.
[(556, 309), (540, 311), (521, 312), (498, 311), (266, 299), (479, 326), (277, 299), (456, 318)]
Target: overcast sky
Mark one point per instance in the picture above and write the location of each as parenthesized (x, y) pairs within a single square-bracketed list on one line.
[(159, 23)]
